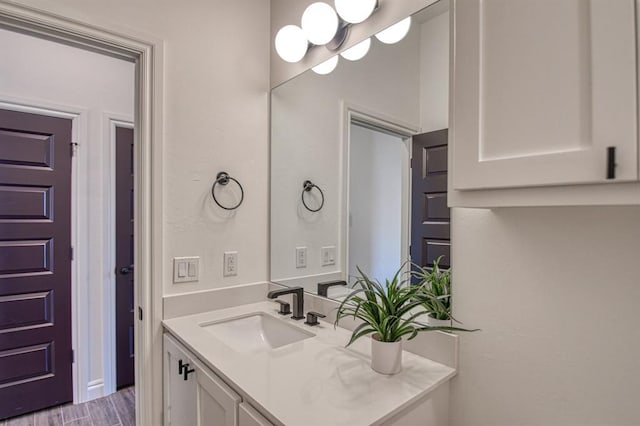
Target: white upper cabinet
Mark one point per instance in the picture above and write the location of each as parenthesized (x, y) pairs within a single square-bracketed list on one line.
[(540, 90)]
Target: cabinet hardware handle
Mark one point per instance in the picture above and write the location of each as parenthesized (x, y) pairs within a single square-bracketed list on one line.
[(187, 371), (611, 162), (181, 366)]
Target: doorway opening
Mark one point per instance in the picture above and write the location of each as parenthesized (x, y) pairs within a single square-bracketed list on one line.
[(66, 170), (376, 175), (145, 58), (379, 162)]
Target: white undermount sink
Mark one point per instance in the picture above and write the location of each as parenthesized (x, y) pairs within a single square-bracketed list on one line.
[(255, 332)]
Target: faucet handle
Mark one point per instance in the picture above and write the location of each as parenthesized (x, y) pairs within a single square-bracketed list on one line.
[(285, 308), (312, 318)]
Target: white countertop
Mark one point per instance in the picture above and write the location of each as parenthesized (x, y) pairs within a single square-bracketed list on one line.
[(316, 381)]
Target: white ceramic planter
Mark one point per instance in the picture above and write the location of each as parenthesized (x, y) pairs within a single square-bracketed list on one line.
[(386, 357), (438, 323)]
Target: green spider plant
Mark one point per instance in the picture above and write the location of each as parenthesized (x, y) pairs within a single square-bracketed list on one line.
[(435, 291), (389, 310)]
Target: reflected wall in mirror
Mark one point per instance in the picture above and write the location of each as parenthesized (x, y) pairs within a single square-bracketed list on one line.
[(350, 133)]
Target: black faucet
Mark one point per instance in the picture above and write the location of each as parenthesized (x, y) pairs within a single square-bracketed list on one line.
[(323, 288), (298, 300)]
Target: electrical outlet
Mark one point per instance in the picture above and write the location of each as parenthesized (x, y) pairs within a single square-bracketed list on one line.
[(301, 257), (328, 255), (230, 263), (186, 269)]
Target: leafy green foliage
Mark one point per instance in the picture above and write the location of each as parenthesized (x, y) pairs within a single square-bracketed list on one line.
[(390, 310), (435, 292)]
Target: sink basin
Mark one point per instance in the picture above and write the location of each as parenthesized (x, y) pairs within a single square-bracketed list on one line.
[(255, 332)]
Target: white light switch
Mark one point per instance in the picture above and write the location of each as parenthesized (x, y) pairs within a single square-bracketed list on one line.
[(301, 257), (328, 255), (185, 269)]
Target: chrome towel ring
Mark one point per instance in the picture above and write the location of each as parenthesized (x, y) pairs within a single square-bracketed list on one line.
[(307, 186), (223, 179)]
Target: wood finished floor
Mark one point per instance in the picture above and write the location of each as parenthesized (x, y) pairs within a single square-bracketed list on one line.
[(117, 409)]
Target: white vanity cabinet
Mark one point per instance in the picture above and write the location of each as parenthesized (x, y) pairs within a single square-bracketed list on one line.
[(540, 90), (194, 395), (249, 416)]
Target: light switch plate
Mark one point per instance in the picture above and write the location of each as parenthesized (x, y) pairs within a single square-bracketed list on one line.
[(186, 269), (328, 255), (301, 257)]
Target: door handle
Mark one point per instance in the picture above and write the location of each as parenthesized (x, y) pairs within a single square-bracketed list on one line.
[(611, 162), (126, 270)]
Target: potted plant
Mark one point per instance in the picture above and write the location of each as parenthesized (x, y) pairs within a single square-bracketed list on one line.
[(388, 313), (435, 292)]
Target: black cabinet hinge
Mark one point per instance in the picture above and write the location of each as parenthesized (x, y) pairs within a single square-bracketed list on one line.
[(139, 313), (71, 254)]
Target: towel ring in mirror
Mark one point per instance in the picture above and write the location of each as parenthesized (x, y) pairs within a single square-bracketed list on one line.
[(307, 186), (223, 179)]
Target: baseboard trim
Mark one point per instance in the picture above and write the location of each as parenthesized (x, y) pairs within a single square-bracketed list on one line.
[(95, 389)]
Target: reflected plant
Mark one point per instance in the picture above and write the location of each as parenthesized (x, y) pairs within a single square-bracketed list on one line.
[(435, 289)]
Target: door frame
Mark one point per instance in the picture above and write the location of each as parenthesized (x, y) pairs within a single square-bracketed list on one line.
[(355, 113), (148, 56), (111, 121)]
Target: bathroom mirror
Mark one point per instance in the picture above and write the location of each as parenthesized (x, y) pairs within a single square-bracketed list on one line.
[(340, 162)]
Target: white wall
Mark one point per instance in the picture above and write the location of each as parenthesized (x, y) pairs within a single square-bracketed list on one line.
[(307, 143), (68, 79), (555, 292), (377, 166), (216, 83)]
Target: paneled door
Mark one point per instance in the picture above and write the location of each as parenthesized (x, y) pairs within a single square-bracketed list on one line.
[(35, 262), (430, 217), (124, 258), (541, 90)]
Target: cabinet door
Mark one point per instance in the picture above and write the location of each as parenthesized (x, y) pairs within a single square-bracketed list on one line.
[(249, 416), (179, 394), (540, 89), (217, 403)]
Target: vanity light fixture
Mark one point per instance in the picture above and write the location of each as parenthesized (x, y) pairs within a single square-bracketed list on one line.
[(357, 51), (320, 23), (396, 32), (291, 43), (355, 11), (327, 66)]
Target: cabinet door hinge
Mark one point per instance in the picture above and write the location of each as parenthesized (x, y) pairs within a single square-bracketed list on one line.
[(139, 313), (73, 146), (73, 356), (71, 254)]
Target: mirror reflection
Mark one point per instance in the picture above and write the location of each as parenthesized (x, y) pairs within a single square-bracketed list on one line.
[(343, 190)]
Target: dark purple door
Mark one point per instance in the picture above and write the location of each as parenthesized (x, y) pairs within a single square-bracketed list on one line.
[(35, 262), (124, 258), (430, 218)]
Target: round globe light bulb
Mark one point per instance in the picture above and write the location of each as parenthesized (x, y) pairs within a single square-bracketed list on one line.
[(319, 23), (396, 32), (357, 51), (291, 43), (355, 11), (327, 66)]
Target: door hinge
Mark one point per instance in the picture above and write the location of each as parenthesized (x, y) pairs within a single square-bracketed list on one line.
[(139, 313), (73, 146), (73, 356), (71, 254)]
